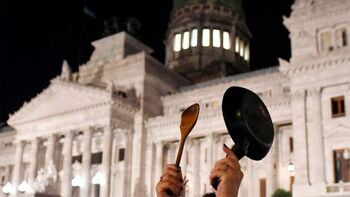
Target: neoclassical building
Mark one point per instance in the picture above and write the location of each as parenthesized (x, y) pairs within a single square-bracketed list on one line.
[(108, 129)]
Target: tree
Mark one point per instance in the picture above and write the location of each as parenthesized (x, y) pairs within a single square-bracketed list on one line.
[(281, 193)]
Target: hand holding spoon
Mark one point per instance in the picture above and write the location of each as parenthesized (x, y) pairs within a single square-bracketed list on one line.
[(188, 120)]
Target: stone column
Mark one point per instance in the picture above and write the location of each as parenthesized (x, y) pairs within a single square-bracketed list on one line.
[(128, 161), (106, 161), (50, 144), (18, 166), (86, 177), (210, 159), (159, 163), (33, 162), (159, 160), (210, 149), (315, 141), (8, 174), (66, 188), (196, 167), (300, 139), (270, 173)]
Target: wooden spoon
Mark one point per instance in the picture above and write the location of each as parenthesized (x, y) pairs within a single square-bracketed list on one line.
[(188, 120)]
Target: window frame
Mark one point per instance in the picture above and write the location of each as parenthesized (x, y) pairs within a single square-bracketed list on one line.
[(341, 27), (121, 150), (334, 39), (191, 37), (343, 166), (208, 42), (216, 32), (340, 102), (175, 43), (228, 43)]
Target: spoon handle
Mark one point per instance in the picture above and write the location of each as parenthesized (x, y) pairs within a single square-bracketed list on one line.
[(179, 152)]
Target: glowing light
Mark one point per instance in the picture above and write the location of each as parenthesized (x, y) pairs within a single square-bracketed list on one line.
[(206, 37), (177, 42), (8, 188), (291, 167), (194, 38), (237, 44), (24, 187), (226, 39), (246, 53), (241, 48), (77, 181), (346, 154), (216, 38), (186, 40), (97, 179)]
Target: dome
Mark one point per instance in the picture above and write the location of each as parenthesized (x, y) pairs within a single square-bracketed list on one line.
[(234, 4)]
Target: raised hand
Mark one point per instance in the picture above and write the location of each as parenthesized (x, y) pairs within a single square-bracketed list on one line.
[(171, 183), (229, 172)]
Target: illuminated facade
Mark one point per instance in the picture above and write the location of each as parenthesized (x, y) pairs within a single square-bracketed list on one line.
[(108, 129)]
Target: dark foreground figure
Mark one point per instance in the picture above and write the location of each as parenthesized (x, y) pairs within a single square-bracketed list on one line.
[(227, 169)]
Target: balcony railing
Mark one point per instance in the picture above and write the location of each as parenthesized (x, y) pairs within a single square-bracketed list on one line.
[(339, 188)]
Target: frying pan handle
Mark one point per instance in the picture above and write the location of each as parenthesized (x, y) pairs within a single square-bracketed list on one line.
[(240, 150)]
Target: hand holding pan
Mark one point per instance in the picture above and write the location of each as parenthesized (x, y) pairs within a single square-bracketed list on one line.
[(249, 124)]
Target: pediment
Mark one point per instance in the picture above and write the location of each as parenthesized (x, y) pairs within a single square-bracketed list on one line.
[(340, 131), (59, 98)]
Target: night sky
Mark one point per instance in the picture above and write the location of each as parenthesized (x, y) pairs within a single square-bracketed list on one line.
[(35, 37)]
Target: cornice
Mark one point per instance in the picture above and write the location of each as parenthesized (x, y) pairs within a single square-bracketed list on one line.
[(68, 112), (254, 78), (159, 83), (299, 19), (293, 68), (108, 64), (298, 94), (125, 105), (55, 84), (279, 103), (314, 92), (173, 119), (104, 101)]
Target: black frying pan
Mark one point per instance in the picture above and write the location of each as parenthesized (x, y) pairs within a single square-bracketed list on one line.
[(248, 122)]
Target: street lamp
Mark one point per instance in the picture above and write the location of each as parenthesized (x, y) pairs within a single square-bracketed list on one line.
[(97, 179), (8, 188), (23, 187), (77, 181), (346, 154), (291, 167)]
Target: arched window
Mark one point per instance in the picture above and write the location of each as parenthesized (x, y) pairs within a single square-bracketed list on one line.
[(186, 40), (177, 42), (237, 44), (246, 52), (206, 37), (194, 37), (216, 38), (241, 48), (226, 40), (326, 41)]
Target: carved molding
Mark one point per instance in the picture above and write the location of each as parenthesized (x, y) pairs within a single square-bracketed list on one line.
[(299, 94), (292, 69), (159, 83), (301, 15), (220, 85), (314, 92)]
